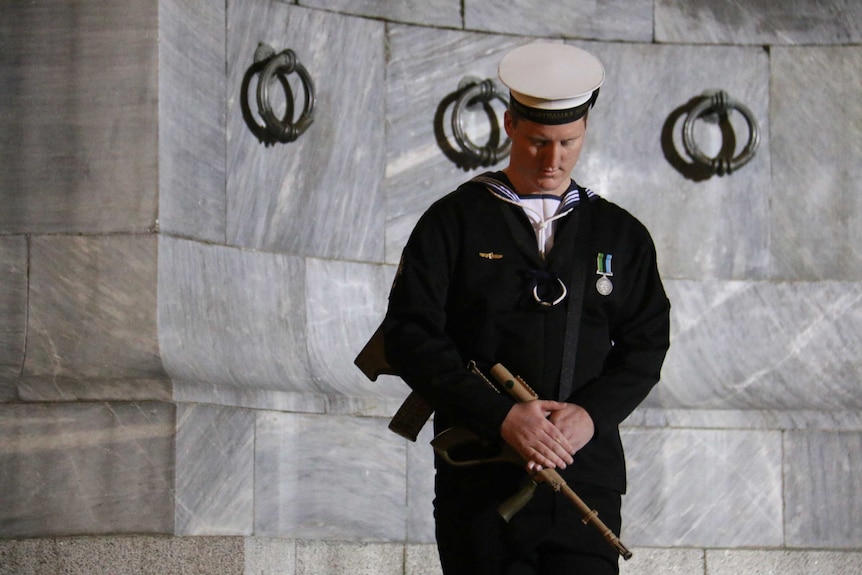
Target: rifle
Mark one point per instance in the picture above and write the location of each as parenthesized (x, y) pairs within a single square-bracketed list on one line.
[(415, 411), (448, 441)]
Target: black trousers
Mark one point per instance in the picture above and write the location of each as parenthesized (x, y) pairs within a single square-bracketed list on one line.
[(546, 537)]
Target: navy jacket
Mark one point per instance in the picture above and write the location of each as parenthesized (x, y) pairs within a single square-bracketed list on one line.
[(462, 293)]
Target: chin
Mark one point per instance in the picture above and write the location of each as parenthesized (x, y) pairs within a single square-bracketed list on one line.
[(548, 185)]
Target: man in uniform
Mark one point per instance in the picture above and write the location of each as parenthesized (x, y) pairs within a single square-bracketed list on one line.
[(526, 268)]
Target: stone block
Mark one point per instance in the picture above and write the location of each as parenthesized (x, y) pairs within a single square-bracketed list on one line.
[(192, 135), (345, 302), (758, 22), (320, 195), (328, 477), (648, 561), (348, 558), (80, 151), (269, 556), (422, 560), (703, 488), (232, 319), (774, 419), (423, 72), (214, 470), (86, 468), (122, 555), (786, 562), (816, 218), (703, 226), (13, 313), (610, 20), (785, 337), (92, 320), (445, 13), (822, 484), (420, 487), (192, 555)]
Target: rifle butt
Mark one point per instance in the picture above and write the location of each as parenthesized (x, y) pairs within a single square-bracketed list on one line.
[(411, 416)]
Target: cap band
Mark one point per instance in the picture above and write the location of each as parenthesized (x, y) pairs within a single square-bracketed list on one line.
[(551, 117)]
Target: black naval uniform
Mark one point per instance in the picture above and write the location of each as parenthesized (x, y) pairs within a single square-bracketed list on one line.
[(465, 291)]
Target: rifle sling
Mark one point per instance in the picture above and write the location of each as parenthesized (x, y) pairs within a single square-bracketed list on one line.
[(577, 285)]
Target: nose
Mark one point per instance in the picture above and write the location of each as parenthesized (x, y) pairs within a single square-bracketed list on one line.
[(551, 154)]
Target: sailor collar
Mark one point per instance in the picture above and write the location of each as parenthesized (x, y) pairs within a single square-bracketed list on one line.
[(543, 211), (498, 185)]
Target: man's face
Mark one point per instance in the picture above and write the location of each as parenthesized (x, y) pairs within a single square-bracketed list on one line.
[(542, 157)]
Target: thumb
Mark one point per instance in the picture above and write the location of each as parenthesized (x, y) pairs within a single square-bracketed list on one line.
[(549, 406)]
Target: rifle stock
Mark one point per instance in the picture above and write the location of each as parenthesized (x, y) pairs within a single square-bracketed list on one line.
[(371, 360), (415, 411)]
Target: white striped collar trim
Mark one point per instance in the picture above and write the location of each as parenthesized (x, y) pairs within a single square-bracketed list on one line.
[(498, 188)]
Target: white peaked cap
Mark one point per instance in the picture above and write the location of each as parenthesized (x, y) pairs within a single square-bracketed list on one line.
[(553, 83)]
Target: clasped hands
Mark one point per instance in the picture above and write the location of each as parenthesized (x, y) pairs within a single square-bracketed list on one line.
[(545, 433)]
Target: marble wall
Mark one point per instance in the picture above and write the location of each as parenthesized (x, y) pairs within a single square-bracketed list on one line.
[(180, 303)]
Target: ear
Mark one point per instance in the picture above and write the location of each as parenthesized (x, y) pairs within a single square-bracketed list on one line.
[(508, 124)]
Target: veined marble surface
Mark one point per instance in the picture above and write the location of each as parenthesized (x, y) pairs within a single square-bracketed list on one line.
[(702, 228), (269, 330), (92, 318), (445, 13), (214, 470), (703, 488), (192, 142), (345, 302), (609, 20), (763, 345), (328, 477), (420, 487), (320, 195), (285, 331), (816, 218), (424, 68), (13, 313), (78, 132), (95, 468), (232, 317), (822, 489), (758, 22)]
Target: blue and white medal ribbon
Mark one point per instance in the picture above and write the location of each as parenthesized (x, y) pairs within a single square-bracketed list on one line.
[(603, 268)]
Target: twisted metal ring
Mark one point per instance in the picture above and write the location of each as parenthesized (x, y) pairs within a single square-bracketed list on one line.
[(284, 129), (719, 102), (471, 90)]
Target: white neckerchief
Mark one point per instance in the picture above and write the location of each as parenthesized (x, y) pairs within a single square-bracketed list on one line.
[(542, 210), (541, 217)]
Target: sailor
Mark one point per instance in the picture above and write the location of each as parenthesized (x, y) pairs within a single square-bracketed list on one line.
[(527, 268)]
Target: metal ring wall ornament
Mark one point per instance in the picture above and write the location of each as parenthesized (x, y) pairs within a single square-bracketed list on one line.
[(283, 129), (718, 102), (471, 90)]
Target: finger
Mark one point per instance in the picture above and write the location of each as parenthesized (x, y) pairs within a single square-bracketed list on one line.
[(558, 443), (562, 451), (552, 456)]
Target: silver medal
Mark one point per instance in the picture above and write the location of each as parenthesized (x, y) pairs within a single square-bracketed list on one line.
[(604, 286)]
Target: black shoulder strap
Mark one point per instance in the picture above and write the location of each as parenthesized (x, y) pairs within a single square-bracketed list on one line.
[(580, 271)]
